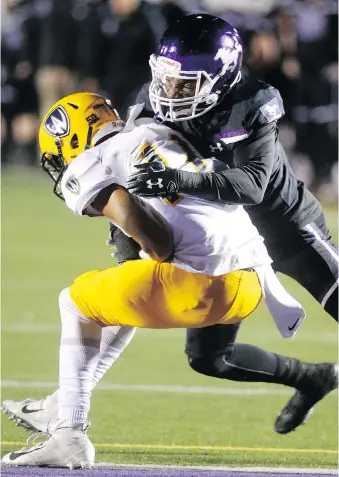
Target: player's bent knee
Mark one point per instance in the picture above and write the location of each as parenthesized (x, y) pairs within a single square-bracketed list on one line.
[(75, 325), (211, 365), (64, 298), (66, 302), (68, 307), (201, 365)]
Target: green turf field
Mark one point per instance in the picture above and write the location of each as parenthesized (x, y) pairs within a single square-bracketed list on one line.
[(44, 246)]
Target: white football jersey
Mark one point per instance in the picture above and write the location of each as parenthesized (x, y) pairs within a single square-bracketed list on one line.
[(209, 237)]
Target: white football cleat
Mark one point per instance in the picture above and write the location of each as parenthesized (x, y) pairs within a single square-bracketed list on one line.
[(33, 415), (67, 447)]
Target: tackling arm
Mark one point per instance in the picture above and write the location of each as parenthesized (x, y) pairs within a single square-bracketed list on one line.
[(138, 220), (245, 184)]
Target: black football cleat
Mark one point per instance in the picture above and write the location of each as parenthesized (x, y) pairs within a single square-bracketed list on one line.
[(323, 378)]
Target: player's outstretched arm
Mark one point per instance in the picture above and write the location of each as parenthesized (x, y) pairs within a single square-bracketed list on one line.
[(137, 219), (244, 184)]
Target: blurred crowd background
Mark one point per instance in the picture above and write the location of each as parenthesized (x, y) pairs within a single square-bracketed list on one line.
[(51, 48)]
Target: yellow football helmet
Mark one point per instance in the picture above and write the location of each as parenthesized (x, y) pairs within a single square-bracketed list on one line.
[(68, 129)]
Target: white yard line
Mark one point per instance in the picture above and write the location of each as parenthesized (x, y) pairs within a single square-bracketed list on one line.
[(163, 388), (265, 470)]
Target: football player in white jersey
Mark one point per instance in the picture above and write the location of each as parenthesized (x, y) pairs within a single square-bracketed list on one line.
[(199, 273)]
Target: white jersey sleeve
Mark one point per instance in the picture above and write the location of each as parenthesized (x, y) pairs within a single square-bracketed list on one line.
[(84, 178)]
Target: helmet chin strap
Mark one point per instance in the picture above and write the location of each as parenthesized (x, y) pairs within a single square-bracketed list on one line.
[(89, 138), (57, 141)]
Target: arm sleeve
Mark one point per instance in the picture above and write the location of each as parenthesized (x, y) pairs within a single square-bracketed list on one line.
[(246, 183)]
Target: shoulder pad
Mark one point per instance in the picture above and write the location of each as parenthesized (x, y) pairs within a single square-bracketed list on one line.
[(264, 107), (250, 105), (84, 178), (132, 114)]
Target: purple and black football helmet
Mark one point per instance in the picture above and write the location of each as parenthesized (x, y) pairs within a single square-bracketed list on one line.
[(201, 55)]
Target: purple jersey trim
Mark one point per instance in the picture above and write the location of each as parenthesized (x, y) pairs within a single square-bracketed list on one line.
[(228, 134)]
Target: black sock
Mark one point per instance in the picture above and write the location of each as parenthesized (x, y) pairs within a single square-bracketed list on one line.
[(249, 363), (252, 364), (294, 373)]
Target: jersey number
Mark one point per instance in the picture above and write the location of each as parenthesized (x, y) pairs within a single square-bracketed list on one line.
[(150, 153)]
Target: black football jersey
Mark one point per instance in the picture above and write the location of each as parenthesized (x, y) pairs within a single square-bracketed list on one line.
[(241, 131)]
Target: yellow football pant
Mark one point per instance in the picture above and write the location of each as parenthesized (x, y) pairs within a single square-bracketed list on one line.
[(148, 294)]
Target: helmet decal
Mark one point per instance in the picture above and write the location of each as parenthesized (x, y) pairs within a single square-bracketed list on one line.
[(57, 122), (169, 63), (92, 119), (229, 52)]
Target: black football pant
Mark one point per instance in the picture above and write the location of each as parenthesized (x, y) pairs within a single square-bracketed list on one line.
[(308, 256)]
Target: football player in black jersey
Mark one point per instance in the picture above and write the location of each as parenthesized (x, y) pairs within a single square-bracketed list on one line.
[(198, 89)]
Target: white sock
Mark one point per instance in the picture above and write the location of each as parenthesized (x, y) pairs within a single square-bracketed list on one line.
[(79, 357), (114, 341)]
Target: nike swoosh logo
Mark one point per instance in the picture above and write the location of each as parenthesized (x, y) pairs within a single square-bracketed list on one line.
[(15, 455), (24, 410), (291, 328)]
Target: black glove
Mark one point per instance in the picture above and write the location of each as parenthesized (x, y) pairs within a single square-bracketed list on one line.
[(126, 247), (153, 179)]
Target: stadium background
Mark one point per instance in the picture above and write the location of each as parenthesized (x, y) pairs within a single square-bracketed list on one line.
[(151, 407)]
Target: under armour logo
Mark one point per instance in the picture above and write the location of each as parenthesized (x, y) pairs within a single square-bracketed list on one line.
[(150, 184), (217, 147)]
